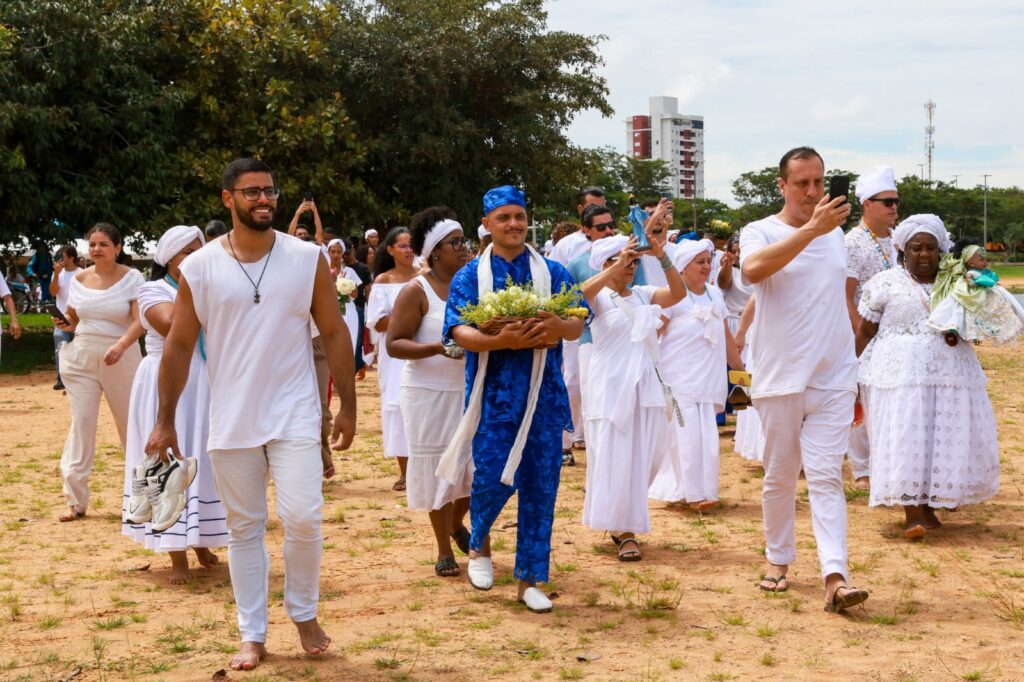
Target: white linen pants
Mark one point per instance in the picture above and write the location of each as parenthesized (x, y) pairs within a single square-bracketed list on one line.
[(86, 377), (573, 385), (859, 450), (241, 475), (809, 429)]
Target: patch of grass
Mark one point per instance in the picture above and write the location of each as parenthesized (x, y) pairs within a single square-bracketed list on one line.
[(765, 631), (676, 664), (767, 659), (48, 622), (156, 667), (1007, 610), (573, 673), (883, 619), (112, 623), (929, 567), (735, 620), (414, 606), (528, 648)]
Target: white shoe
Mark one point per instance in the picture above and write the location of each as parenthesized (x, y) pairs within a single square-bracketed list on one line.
[(140, 509), (171, 492), (481, 573), (536, 600)]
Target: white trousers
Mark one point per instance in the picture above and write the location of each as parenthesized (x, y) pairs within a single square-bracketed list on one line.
[(859, 450), (809, 429), (86, 377), (571, 376), (241, 475)]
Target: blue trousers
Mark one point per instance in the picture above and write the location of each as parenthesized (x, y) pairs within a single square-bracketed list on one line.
[(358, 341), (60, 337), (536, 480)]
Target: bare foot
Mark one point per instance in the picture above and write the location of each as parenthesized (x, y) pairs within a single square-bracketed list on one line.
[(249, 656), (314, 640), (70, 515), (361, 374), (862, 483), (206, 557), (179, 568)]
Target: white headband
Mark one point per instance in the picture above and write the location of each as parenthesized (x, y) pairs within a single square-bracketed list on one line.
[(687, 250), (439, 231), (603, 249), (339, 243), (370, 233), (174, 240), (921, 223), (482, 232)]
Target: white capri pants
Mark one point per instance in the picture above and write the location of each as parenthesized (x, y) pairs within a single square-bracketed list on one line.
[(809, 429), (241, 475)]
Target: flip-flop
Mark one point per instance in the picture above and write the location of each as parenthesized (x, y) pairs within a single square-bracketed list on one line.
[(461, 537), (852, 597), (774, 581), (446, 567), (70, 515), (915, 532), (399, 485), (579, 445)]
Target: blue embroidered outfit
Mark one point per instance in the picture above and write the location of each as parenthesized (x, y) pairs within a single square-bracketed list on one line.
[(504, 403)]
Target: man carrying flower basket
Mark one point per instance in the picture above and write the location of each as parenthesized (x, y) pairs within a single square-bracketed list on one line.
[(516, 401)]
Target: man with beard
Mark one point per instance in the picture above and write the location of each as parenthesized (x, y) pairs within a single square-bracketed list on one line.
[(804, 369), (252, 293), (869, 251)]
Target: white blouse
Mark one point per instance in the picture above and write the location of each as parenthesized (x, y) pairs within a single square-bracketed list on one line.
[(105, 312)]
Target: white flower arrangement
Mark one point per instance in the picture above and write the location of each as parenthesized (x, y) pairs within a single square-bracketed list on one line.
[(346, 288)]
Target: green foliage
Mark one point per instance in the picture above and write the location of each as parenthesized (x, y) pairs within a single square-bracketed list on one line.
[(520, 300), (128, 111)]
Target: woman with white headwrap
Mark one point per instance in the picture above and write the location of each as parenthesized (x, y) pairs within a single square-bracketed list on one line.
[(695, 348), (433, 380), (199, 524), (930, 422), (394, 268), (626, 400), (336, 249)]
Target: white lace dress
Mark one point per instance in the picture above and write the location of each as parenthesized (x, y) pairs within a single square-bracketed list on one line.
[(930, 422)]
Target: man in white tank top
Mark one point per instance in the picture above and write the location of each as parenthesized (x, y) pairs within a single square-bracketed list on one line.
[(253, 293)]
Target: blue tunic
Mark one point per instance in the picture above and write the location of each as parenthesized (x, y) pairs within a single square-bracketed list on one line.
[(506, 389)]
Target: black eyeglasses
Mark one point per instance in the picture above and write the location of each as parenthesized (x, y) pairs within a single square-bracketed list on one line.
[(457, 244), (889, 203), (603, 226), (253, 193)]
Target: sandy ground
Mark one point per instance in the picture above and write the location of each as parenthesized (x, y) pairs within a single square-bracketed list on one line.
[(79, 601)]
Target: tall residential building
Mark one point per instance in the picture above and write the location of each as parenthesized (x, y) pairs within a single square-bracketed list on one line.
[(676, 139)]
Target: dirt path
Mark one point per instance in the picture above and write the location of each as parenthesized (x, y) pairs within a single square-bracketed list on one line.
[(80, 597)]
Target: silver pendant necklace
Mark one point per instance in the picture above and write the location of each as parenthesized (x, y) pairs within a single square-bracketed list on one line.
[(256, 284)]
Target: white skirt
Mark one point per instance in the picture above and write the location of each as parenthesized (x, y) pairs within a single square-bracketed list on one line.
[(431, 419), (688, 466), (933, 445), (202, 523), (749, 439), (619, 471), (393, 428)]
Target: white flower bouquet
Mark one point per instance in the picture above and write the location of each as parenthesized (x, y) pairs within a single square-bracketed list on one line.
[(518, 302), (346, 288)]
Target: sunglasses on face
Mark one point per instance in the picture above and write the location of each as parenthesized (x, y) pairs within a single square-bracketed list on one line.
[(889, 203), (253, 193), (603, 226)]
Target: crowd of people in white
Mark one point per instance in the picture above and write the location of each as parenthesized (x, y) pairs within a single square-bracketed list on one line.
[(247, 337)]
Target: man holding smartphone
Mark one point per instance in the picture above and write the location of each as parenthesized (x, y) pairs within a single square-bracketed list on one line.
[(60, 288), (869, 251), (804, 369)]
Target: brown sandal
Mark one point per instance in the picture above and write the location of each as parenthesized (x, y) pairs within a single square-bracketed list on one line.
[(70, 515), (629, 554)]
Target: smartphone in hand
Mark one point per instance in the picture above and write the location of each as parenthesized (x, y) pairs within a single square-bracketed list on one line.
[(54, 311), (838, 186)]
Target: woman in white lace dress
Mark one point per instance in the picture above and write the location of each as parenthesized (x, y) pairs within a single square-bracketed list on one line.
[(930, 422)]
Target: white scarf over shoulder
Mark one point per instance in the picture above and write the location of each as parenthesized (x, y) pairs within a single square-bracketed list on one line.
[(456, 458)]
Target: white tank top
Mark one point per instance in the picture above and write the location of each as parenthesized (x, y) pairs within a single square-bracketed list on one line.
[(259, 355), (437, 372)]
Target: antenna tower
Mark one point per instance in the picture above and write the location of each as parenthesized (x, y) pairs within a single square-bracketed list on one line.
[(929, 135)]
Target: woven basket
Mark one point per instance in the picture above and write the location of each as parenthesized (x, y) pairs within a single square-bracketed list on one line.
[(493, 326)]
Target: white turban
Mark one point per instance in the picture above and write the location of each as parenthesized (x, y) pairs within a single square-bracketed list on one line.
[(370, 233), (688, 249), (877, 180), (603, 249), (174, 240), (916, 224), (439, 231), (672, 234), (482, 232), (339, 242)]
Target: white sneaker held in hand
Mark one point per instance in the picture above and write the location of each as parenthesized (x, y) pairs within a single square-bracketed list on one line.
[(171, 488), (140, 509)]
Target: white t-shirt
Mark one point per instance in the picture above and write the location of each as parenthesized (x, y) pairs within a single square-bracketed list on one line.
[(64, 289), (4, 289), (259, 357), (801, 329), (569, 246)]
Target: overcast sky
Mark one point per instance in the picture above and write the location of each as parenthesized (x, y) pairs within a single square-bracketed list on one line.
[(850, 79)]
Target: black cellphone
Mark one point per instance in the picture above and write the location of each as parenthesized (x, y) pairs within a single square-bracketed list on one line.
[(838, 186), (308, 196), (55, 312), (666, 195)]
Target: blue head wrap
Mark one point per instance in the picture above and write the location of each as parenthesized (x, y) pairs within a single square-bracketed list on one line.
[(503, 196)]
